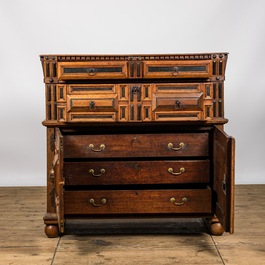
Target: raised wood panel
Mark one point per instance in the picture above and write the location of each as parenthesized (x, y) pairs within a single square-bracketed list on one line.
[(177, 116), (91, 89), (61, 93), (84, 117), (92, 70), (224, 178), (92, 108), (178, 69), (177, 102), (92, 103)]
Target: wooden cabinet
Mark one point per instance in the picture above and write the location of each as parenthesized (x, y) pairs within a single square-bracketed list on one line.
[(138, 136)]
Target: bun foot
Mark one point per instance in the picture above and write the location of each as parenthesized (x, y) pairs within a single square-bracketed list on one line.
[(52, 231), (216, 229), (214, 226)]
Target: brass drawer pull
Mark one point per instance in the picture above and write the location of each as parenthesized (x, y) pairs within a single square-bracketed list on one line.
[(101, 148), (91, 71), (171, 146), (92, 201), (175, 71), (183, 200), (171, 171), (92, 172)]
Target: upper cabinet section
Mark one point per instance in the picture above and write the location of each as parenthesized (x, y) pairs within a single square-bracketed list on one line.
[(64, 68), (134, 88)]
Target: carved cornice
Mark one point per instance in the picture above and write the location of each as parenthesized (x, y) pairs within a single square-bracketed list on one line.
[(147, 57)]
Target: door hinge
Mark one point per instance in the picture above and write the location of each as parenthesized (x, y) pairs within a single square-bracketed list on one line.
[(62, 226)]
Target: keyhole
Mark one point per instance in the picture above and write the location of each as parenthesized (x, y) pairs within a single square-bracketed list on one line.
[(178, 104), (134, 139), (92, 105)]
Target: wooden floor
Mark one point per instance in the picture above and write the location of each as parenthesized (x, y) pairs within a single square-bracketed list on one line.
[(22, 240)]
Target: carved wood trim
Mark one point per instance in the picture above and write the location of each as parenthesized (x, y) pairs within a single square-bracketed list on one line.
[(140, 57)]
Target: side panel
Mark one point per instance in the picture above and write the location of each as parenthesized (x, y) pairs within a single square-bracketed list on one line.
[(223, 185), (59, 180)]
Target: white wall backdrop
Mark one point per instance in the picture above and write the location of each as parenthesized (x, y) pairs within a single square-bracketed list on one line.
[(32, 27)]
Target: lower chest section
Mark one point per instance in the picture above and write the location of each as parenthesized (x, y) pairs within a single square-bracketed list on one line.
[(136, 171)]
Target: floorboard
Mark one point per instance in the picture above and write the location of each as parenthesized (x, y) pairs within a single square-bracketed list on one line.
[(141, 241)]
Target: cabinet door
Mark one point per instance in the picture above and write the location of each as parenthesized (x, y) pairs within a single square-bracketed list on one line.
[(223, 185)]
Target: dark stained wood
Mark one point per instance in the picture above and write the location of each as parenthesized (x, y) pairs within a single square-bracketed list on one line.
[(138, 202), (136, 172), (136, 145), (224, 153)]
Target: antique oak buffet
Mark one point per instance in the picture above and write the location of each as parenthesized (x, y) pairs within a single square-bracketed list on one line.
[(137, 136)]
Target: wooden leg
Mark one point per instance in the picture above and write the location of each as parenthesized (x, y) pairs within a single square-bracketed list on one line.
[(51, 225), (52, 231), (214, 226)]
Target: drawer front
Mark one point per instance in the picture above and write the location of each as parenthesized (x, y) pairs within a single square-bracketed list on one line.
[(178, 102), (137, 202), (178, 69), (136, 172), (82, 108), (136, 145), (94, 103), (92, 70)]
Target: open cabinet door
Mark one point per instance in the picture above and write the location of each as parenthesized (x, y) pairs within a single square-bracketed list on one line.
[(223, 182)]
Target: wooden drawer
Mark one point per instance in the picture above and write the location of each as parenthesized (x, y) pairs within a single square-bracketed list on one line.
[(137, 201), (92, 70), (136, 172), (86, 108), (178, 101), (136, 145), (178, 69)]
